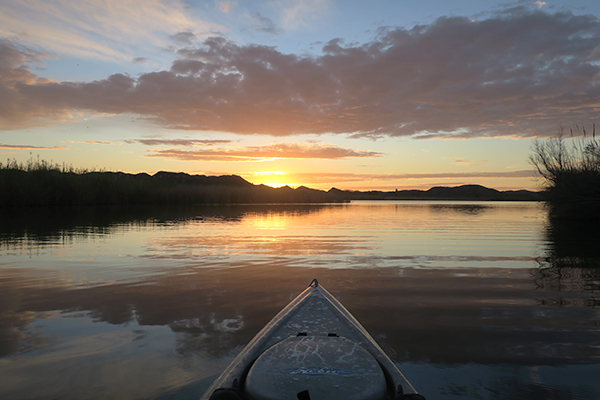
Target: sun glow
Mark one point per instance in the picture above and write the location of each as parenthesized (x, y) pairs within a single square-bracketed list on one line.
[(276, 184), (275, 179)]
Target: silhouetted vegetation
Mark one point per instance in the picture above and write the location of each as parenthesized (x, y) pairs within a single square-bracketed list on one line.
[(41, 183), (570, 169)]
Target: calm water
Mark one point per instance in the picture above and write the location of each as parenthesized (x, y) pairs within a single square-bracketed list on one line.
[(472, 300)]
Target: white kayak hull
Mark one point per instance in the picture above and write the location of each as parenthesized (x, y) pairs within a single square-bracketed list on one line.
[(312, 349)]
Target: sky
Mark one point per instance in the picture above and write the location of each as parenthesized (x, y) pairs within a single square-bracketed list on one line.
[(377, 95)]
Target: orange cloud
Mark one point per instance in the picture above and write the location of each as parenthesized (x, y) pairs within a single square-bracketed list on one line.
[(28, 147), (99, 142), (326, 177), (261, 153)]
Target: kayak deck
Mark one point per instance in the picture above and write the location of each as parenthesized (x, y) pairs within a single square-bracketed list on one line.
[(316, 344)]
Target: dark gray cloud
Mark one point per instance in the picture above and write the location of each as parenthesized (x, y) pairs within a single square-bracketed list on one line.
[(519, 73)]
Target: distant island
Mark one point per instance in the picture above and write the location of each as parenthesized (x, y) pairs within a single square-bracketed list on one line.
[(52, 186), (462, 192)]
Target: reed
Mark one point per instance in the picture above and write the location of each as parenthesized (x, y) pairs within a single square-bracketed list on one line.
[(41, 183), (570, 171)]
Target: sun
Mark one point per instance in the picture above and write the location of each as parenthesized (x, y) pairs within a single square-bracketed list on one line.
[(276, 184), (274, 179)]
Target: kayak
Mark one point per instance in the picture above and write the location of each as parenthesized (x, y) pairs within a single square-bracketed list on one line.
[(313, 349)]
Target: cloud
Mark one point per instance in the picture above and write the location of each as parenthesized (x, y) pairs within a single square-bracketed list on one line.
[(100, 142), (301, 13), (179, 142), (139, 60), (263, 153), (466, 162), (28, 147), (184, 38), (326, 177), (225, 6), (518, 73), (15, 64), (264, 25), (96, 28)]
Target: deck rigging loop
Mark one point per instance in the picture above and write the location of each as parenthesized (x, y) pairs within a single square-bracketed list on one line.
[(314, 283)]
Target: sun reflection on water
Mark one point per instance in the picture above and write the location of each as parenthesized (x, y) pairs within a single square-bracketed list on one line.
[(270, 221)]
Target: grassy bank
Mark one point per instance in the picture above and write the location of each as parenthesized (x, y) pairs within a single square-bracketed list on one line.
[(39, 183), (570, 170)]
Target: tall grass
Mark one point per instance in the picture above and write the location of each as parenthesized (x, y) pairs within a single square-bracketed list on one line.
[(570, 170), (41, 183), (40, 165)]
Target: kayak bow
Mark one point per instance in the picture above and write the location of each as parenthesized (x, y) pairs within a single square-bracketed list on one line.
[(313, 349)]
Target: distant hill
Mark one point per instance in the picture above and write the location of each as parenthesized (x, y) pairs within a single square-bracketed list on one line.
[(54, 187), (464, 192), (183, 178)]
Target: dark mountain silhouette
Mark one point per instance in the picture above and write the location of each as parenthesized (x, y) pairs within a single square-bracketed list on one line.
[(183, 178), (52, 187), (463, 192)]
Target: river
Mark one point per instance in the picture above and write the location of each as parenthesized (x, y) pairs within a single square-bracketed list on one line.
[(472, 300)]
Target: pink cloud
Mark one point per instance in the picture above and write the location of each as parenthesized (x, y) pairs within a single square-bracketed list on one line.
[(259, 153), (520, 73), (100, 142), (179, 142)]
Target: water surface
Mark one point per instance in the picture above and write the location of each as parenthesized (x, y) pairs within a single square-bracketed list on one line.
[(472, 300)]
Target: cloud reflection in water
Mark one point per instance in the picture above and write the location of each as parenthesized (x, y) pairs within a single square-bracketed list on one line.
[(162, 303)]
